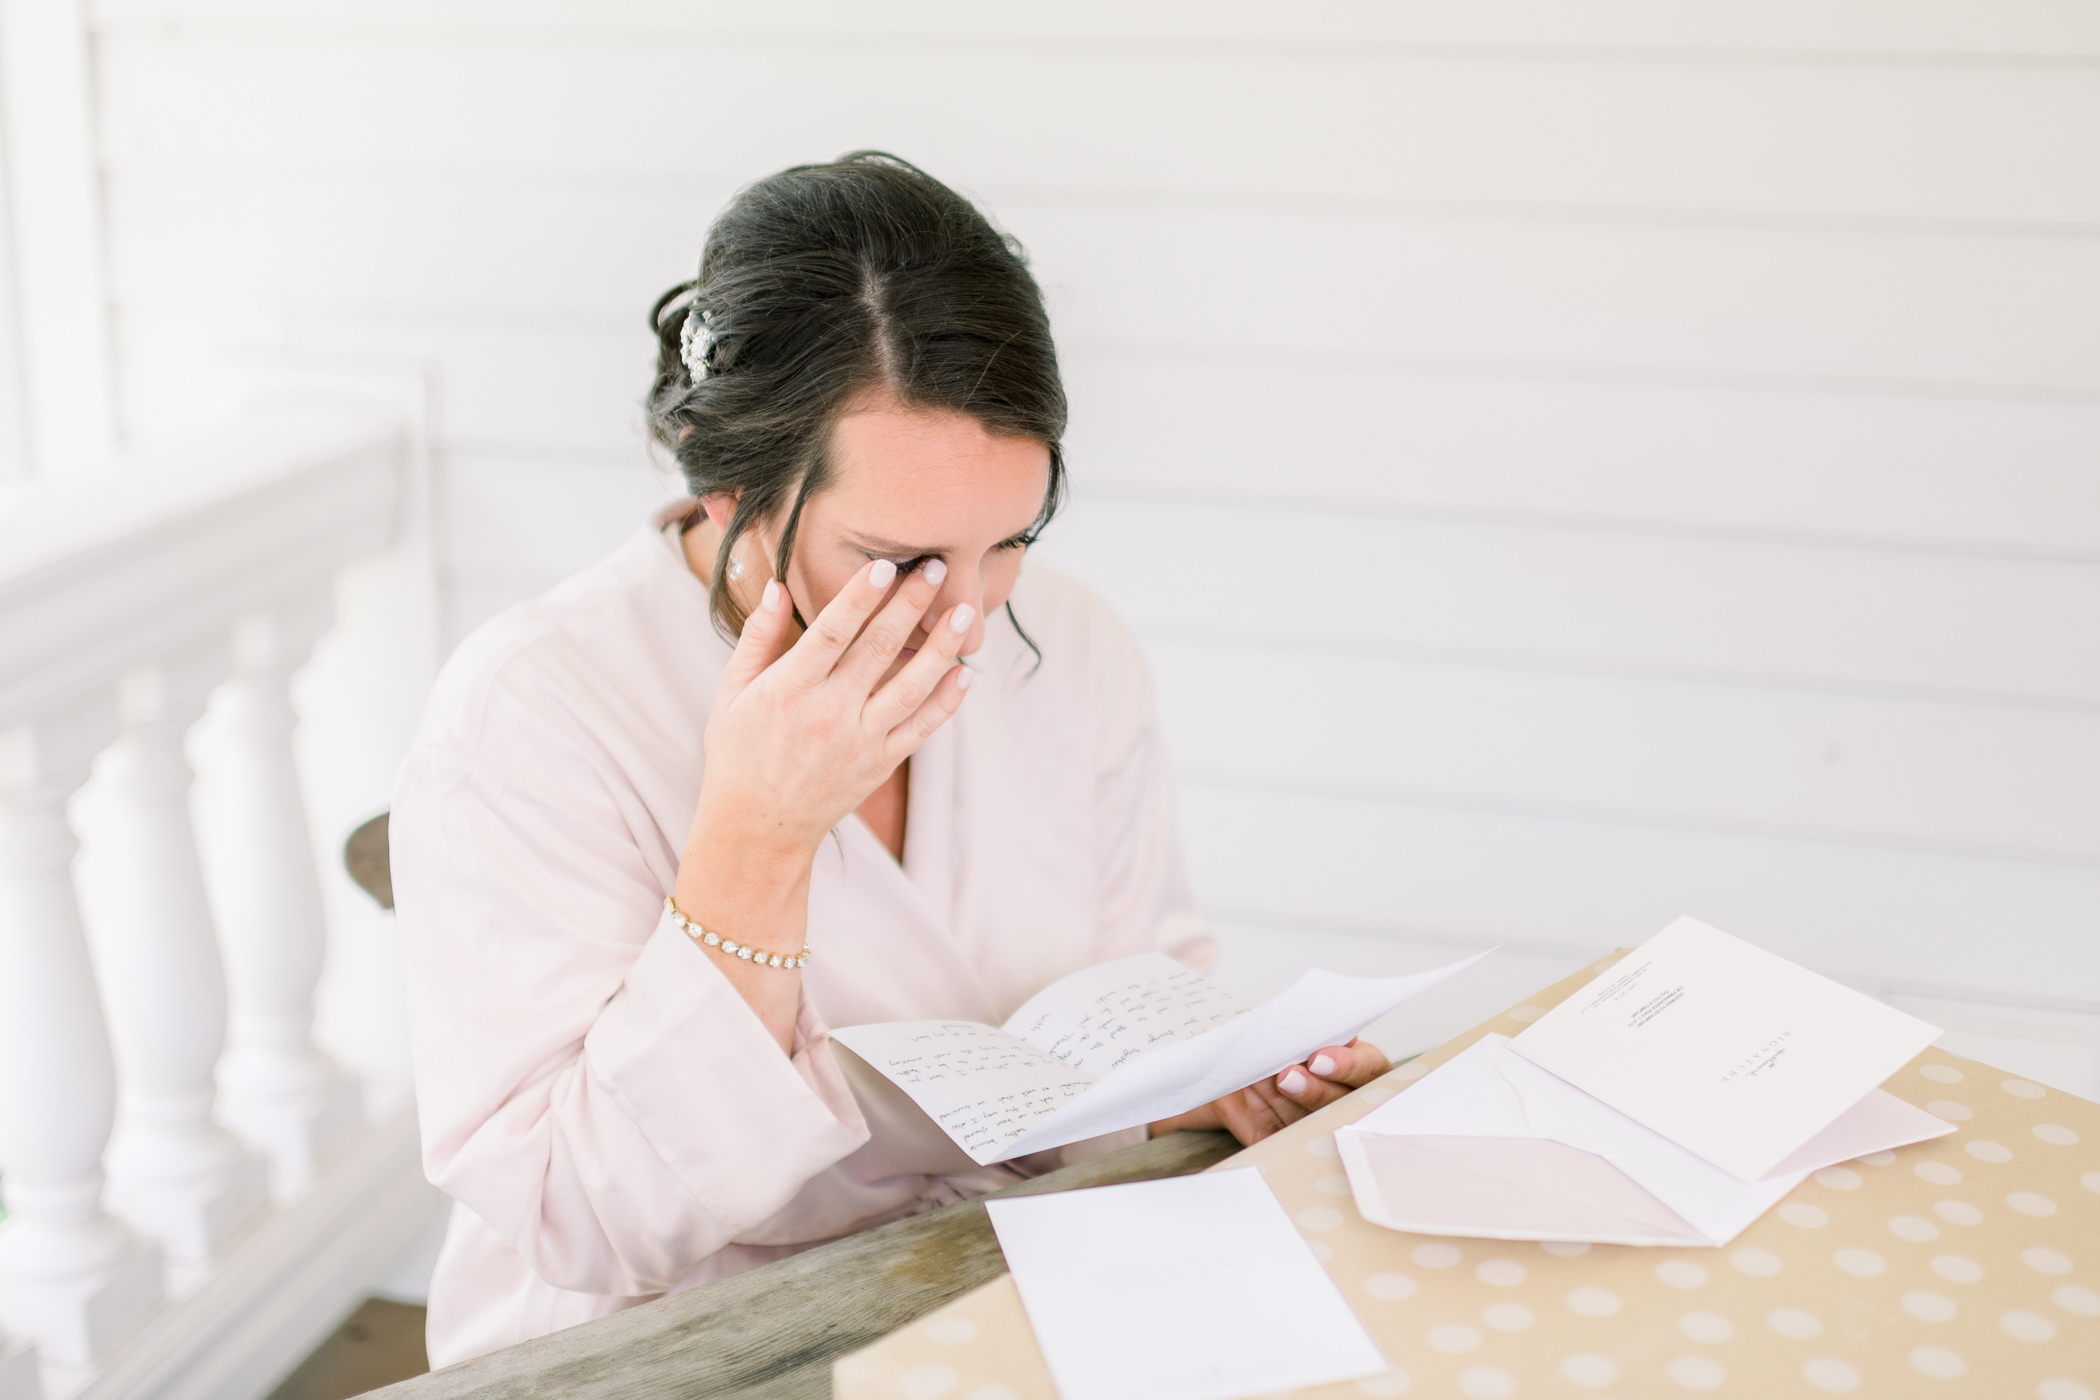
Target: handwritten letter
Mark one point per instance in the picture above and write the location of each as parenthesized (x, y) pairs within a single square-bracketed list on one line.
[(1102, 1018), (984, 1087), (1112, 1047)]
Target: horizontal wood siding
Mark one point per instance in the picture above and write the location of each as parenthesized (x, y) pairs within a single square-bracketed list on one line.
[(1569, 467)]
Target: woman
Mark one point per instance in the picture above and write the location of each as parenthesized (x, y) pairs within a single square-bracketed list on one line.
[(756, 708)]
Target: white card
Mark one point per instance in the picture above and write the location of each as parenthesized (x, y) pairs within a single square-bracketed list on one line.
[(1727, 1050), (1192, 1288)]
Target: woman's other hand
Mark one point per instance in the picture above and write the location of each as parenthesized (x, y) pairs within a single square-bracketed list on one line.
[(1258, 1110)]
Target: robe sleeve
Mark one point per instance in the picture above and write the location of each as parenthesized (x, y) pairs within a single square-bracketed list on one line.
[(589, 1084)]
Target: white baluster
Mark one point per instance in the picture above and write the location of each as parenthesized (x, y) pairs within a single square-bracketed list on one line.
[(71, 1276), (277, 1090), (176, 1175), (18, 1377)]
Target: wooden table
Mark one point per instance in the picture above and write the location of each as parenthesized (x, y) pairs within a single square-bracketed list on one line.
[(772, 1333), (1963, 1268)]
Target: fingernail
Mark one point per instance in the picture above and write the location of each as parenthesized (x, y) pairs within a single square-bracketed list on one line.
[(1292, 1082), (880, 573), (934, 570), (964, 616), (963, 676), (770, 599), (1323, 1065)]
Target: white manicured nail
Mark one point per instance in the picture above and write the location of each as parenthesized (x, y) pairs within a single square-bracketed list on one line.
[(964, 616), (963, 676), (770, 599), (934, 570), (1323, 1065), (880, 573), (1292, 1082)]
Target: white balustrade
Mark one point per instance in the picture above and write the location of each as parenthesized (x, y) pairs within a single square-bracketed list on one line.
[(131, 597), (72, 1278), (175, 1174), (279, 1091)]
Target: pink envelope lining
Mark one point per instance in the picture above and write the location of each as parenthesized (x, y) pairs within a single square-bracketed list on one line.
[(1876, 1123), (1462, 1186)]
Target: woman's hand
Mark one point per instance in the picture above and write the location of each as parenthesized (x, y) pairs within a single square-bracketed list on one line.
[(1280, 1100), (803, 730)]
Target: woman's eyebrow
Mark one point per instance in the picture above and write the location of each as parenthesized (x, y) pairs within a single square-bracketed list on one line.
[(891, 547)]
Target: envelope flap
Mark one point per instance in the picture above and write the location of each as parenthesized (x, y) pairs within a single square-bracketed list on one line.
[(1503, 1188), (1463, 1096)]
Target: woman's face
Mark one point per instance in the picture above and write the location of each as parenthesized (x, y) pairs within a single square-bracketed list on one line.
[(909, 487)]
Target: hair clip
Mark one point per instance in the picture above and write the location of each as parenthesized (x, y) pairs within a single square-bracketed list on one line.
[(695, 342)]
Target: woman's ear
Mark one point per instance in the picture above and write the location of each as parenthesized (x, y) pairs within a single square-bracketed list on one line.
[(718, 509)]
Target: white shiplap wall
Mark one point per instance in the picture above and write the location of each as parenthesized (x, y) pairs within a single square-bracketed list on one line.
[(1569, 465)]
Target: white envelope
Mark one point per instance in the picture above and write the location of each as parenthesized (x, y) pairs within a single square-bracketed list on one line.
[(1488, 1145)]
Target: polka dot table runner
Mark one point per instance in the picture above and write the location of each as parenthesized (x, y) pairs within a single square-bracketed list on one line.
[(1964, 1267)]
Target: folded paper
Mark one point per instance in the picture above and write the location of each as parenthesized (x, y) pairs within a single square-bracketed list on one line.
[(1723, 1048), (1113, 1047)]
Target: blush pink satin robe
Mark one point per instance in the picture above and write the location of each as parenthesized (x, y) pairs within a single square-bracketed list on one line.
[(611, 1120)]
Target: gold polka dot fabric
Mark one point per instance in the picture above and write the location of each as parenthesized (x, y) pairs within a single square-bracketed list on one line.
[(1964, 1267)]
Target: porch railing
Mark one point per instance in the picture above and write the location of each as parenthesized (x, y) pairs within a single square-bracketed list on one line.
[(193, 1190)]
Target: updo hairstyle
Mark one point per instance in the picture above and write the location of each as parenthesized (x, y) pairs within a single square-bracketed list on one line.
[(818, 284)]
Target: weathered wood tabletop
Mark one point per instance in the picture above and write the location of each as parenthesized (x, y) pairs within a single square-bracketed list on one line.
[(772, 1333)]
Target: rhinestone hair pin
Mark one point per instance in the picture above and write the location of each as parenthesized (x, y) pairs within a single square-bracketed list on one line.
[(695, 340)]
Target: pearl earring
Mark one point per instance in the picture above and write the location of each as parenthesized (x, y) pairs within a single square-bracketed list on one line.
[(736, 567)]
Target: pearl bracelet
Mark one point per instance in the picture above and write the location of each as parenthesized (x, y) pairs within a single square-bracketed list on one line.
[(730, 945)]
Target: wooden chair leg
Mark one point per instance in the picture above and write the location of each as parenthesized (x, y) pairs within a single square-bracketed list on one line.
[(365, 855)]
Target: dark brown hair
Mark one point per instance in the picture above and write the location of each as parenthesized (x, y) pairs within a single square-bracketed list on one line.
[(823, 282)]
